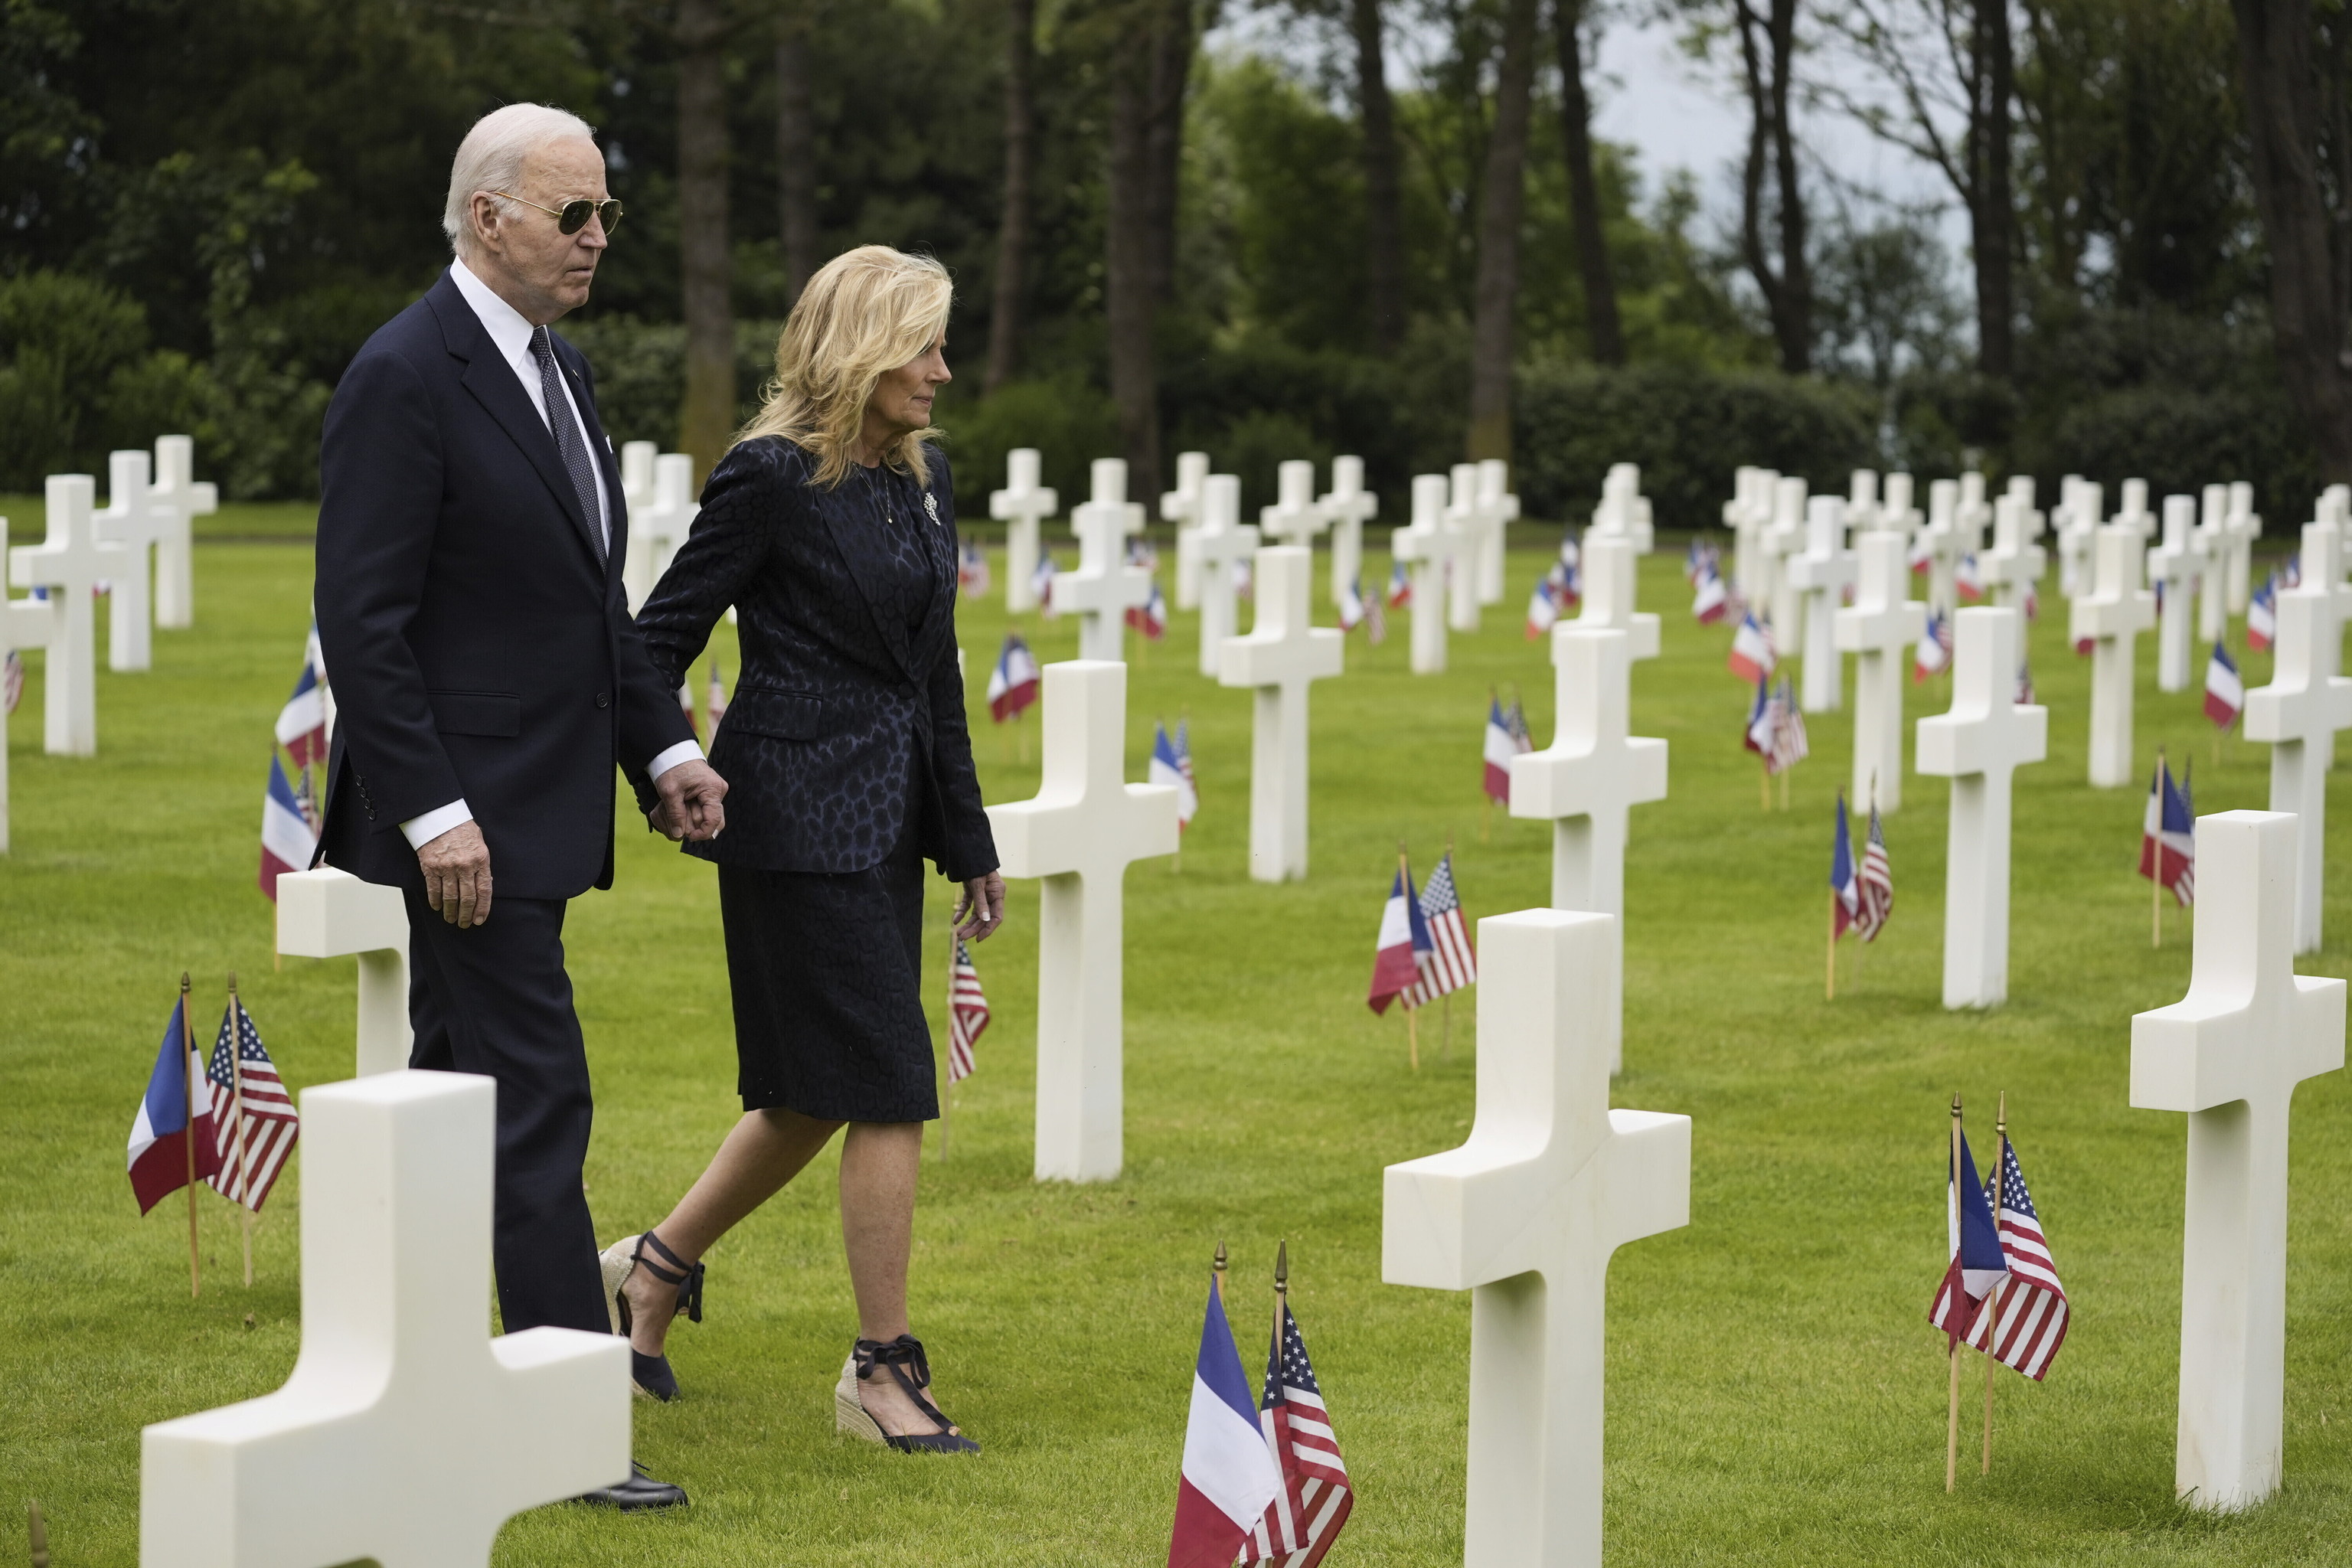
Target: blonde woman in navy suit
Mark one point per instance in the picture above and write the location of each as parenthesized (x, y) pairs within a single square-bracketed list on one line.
[(830, 525)]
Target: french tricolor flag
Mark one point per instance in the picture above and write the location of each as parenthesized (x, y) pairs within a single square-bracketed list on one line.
[(159, 1159), (2225, 688), (2261, 615), (1751, 650), (288, 842), (1404, 938), (1230, 1475)]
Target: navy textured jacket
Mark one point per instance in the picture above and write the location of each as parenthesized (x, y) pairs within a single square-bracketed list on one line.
[(848, 712), (475, 645)]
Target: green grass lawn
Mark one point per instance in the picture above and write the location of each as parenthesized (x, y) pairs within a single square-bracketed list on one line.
[(1774, 1395)]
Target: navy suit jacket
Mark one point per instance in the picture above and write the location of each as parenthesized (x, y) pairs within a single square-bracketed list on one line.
[(475, 645), (848, 714)]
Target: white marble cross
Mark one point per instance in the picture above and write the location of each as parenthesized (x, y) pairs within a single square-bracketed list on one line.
[(2177, 564), (1748, 513), (1610, 569), (1978, 746), (1624, 510), (2111, 616), (2079, 508), (24, 624), (179, 500), (1974, 513), (2229, 1053), (1525, 1216), (132, 524), (1946, 540), (1294, 518), (663, 526), (2241, 526), (2030, 519), (1220, 540), (70, 563), (2299, 713), (1181, 506), (1284, 652), (1350, 506), (1879, 629), (1436, 553), (1586, 784), (1896, 513), (1104, 586), (2212, 537), (1861, 500), (1784, 540), (330, 913), (1080, 833), (2320, 564), (637, 575), (2134, 514), (2014, 563), (1497, 509), (1821, 574), (1021, 506), (405, 1435)]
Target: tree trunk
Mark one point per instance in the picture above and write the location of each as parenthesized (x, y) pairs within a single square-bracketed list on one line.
[(795, 156), (2275, 47), (708, 416), (1495, 302), (1019, 153), (1991, 215), (1171, 47), (1384, 206), (1600, 323), (1128, 298), (1795, 326)]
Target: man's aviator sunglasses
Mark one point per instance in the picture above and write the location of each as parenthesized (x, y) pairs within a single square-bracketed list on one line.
[(574, 215)]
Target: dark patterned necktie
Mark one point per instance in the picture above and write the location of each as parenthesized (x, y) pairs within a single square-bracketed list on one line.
[(570, 449)]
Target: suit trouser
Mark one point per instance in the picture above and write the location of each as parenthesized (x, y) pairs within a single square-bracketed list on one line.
[(494, 999)]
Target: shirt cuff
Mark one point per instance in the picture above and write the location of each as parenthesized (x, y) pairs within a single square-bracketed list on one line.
[(422, 830), (683, 751)]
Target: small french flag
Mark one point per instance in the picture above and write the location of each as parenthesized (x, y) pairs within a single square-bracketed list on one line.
[(2261, 615), (1751, 650), (288, 842), (1230, 1475), (1712, 600), (159, 1160), (1404, 938), (1933, 655), (2225, 688)]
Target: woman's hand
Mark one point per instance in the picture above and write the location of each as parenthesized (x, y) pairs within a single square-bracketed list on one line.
[(981, 910)]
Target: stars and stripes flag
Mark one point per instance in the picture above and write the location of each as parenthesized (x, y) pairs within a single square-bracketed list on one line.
[(1230, 1477), (12, 682), (1761, 720), (1245, 579), (303, 722), (1041, 584), (967, 1012), (1308, 1512), (1402, 949), (1751, 656), (2225, 688), (2033, 1303), (1555, 593), (254, 1124), (1844, 882), (2290, 573), (1934, 654), (1790, 745), (2261, 615), (1452, 963), (1376, 621), (1172, 763), (161, 1133), (1012, 684), (1712, 601), (1968, 578), (1141, 552), (2033, 601), (1400, 586), (1351, 606), (1977, 1264), (972, 571), (1874, 883), (2167, 842), (2024, 684), (1151, 617), (714, 698), (289, 842), (1499, 748), (1700, 561)]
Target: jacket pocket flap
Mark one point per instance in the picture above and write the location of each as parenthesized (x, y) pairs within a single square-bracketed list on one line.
[(475, 712), (786, 715)]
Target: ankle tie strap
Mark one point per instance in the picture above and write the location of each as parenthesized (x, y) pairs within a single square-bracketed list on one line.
[(686, 1277), (906, 1351)]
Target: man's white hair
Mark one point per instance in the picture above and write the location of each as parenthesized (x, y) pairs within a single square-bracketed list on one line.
[(492, 155)]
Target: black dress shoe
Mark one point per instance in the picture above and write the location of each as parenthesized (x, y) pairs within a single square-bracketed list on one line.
[(636, 1493)]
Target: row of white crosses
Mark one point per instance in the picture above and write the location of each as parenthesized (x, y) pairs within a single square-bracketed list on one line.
[(1296, 517), (1106, 584), (658, 488)]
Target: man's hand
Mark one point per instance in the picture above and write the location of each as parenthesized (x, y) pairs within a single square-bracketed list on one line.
[(981, 912), (456, 868), (690, 804)]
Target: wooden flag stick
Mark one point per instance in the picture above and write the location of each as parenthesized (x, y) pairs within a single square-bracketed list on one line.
[(39, 1529), (1952, 1413), (1764, 781), (2156, 863), (1992, 1307), (188, 1137), (1281, 1289), (1411, 1013)]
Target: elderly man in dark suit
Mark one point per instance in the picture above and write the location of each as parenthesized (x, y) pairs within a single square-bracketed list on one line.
[(488, 678)]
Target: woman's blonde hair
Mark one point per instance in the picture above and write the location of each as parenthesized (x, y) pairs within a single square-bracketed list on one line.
[(866, 312)]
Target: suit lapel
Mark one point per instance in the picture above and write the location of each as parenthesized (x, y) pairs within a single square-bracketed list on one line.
[(492, 382), (600, 451)]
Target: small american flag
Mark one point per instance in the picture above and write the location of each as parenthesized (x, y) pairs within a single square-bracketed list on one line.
[(715, 698), (1452, 963), (1307, 1515), (1878, 883), (967, 1012), (2032, 1308), (12, 682), (972, 571), (254, 1124), (1789, 746)]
